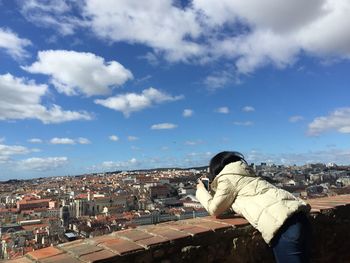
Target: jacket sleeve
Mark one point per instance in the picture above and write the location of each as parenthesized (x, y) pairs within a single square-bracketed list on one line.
[(221, 201)]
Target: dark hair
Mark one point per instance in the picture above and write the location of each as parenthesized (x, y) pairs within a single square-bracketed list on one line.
[(219, 161)]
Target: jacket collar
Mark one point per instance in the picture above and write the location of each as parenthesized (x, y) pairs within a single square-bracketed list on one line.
[(235, 168)]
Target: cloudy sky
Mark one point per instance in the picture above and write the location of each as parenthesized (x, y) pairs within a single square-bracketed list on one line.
[(101, 85)]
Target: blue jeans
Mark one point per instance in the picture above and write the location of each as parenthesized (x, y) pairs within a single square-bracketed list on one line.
[(292, 242)]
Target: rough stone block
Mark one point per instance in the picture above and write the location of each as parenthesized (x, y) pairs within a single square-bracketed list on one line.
[(62, 258), (100, 256), (121, 246), (44, 253)]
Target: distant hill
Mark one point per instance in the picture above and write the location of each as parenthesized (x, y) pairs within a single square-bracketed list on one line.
[(11, 181), (164, 169), (16, 181)]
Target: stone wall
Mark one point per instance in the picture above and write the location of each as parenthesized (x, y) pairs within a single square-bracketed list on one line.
[(205, 239)]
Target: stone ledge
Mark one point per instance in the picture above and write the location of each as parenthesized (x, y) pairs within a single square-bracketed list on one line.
[(206, 239)]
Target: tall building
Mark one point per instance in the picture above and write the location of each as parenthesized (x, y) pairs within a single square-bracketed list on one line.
[(80, 207), (64, 216)]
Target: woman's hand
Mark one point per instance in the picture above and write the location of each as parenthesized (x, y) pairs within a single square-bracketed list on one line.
[(200, 184)]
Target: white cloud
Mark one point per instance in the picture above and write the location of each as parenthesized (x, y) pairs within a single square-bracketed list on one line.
[(12, 44), (82, 140), (296, 118), (35, 140), (143, 79), (269, 38), (219, 79), (74, 73), (51, 13), (42, 164), (247, 34), (243, 123), (132, 102), (338, 120), (132, 138), (70, 141), (114, 138), (151, 58), (223, 110), (8, 150), (278, 37), (56, 115), (4, 159), (338, 156), (138, 21), (248, 109), (112, 165), (133, 161), (259, 48), (187, 113), (62, 141), (21, 99), (275, 31), (163, 126)]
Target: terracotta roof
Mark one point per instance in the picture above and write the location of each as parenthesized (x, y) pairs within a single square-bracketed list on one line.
[(32, 227), (33, 201)]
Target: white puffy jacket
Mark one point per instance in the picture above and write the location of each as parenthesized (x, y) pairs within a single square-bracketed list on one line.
[(265, 206)]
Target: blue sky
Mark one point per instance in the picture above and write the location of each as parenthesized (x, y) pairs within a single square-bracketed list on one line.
[(101, 85)]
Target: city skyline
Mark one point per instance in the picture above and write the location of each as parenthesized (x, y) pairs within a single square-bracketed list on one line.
[(94, 86)]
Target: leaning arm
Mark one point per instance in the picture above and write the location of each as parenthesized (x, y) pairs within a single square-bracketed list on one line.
[(221, 201)]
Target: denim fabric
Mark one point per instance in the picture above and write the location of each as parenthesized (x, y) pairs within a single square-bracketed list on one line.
[(292, 242)]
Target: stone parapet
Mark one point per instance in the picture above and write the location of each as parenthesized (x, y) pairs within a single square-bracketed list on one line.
[(206, 239)]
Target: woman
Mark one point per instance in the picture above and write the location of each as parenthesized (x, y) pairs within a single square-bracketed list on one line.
[(277, 214)]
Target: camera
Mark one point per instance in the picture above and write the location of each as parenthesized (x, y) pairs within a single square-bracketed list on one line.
[(205, 181)]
